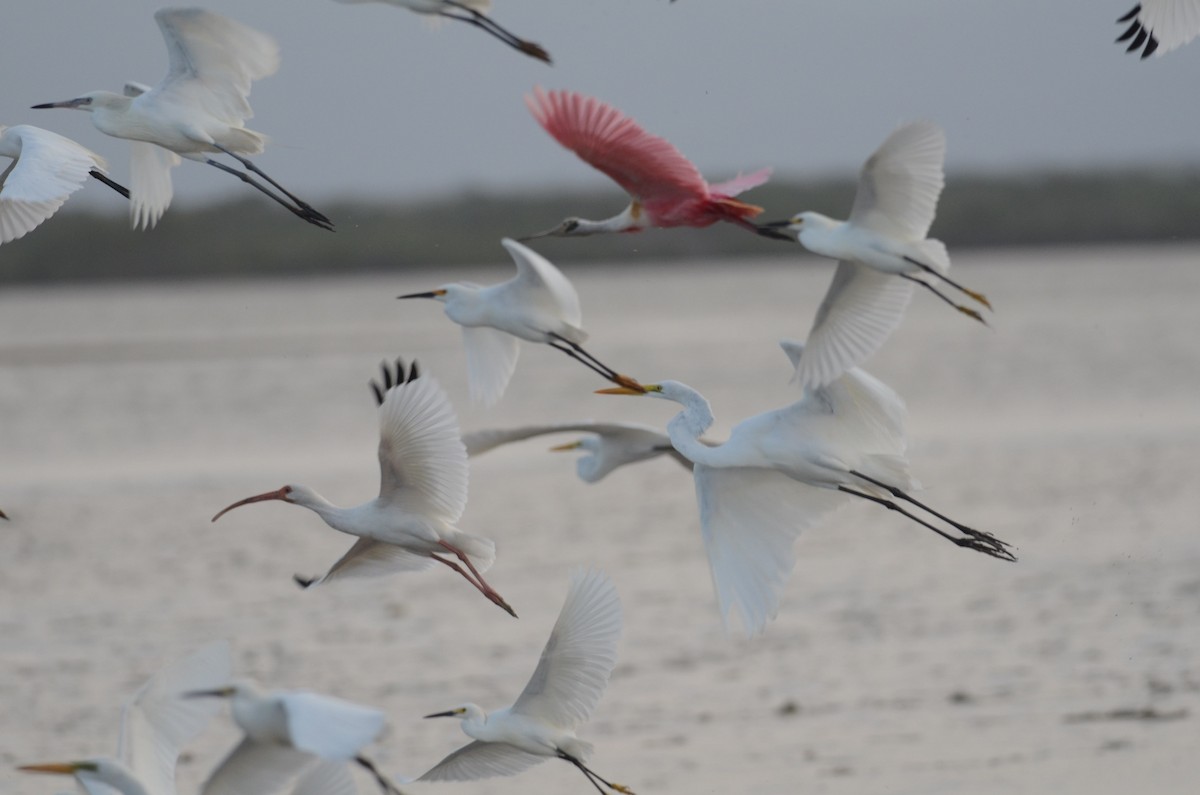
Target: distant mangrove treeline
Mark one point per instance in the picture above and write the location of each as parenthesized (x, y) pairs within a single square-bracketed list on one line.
[(253, 237)]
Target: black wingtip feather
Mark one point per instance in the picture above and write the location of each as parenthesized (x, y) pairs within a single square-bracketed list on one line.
[(1136, 10), (390, 380)]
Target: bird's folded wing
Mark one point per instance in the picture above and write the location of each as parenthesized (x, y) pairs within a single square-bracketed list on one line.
[(899, 185), (1172, 22), (860, 311), (481, 760), (158, 722), (750, 519), (491, 360), (150, 188), (369, 558), (330, 727), (254, 768), (422, 461), (326, 777), (539, 283), (645, 165), (579, 656)]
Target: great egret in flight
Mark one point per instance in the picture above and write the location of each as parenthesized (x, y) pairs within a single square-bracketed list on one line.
[(286, 732), (473, 12), (46, 169), (422, 494), (155, 725), (539, 304), (665, 189), (1160, 25), (562, 693), (197, 110), (882, 252), (781, 471)]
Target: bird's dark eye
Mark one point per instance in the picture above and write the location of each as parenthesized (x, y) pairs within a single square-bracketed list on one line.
[(570, 226)]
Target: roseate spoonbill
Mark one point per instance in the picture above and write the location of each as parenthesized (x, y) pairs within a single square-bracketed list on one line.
[(664, 187), (608, 445), (422, 494), (473, 12), (539, 304), (561, 695), (197, 110), (46, 169), (884, 238), (155, 725), (1160, 25), (286, 732), (781, 471)]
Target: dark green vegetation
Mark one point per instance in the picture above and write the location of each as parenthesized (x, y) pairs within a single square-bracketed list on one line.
[(253, 237)]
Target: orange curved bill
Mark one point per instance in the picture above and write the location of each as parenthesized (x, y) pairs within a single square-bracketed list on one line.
[(278, 494)]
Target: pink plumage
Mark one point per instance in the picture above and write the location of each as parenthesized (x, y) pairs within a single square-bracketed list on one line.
[(666, 188)]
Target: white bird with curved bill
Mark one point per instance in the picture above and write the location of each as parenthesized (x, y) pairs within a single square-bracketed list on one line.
[(422, 494), (46, 169), (286, 733), (1159, 26), (539, 304), (473, 12), (559, 698), (882, 252), (155, 726), (782, 471), (608, 445), (197, 110)]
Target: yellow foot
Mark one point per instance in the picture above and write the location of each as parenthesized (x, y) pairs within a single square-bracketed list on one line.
[(980, 297), (972, 313), (622, 788)]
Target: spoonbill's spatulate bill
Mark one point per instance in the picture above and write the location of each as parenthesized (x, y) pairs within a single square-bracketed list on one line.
[(155, 726), (664, 187), (882, 252), (197, 110), (422, 494), (1159, 26), (781, 471), (473, 12), (560, 697), (539, 304), (46, 169), (286, 732)]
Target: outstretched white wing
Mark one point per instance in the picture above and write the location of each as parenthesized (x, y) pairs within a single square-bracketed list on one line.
[(633, 434), (326, 777), (579, 656), (369, 558), (158, 722), (422, 461), (899, 185), (150, 188), (254, 768), (481, 760), (48, 169), (1167, 24), (329, 727), (491, 360)]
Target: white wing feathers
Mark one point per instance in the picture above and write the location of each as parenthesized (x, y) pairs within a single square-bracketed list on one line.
[(49, 169), (326, 777), (150, 188), (491, 360), (1172, 22), (368, 558), (899, 185), (543, 285), (477, 760), (422, 460), (329, 727), (579, 656), (480, 442), (254, 768)]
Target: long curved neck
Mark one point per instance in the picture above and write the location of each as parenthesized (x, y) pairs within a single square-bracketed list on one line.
[(464, 307), (631, 219), (821, 235), (334, 515), (474, 724), (686, 427)]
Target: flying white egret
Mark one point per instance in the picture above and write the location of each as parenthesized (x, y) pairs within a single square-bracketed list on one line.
[(197, 110), (1160, 25), (561, 695), (781, 471), (422, 494), (155, 725), (46, 169), (608, 445), (883, 239), (473, 12), (287, 731), (539, 304)]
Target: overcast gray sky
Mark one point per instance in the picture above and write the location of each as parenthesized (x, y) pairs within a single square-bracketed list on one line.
[(371, 102)]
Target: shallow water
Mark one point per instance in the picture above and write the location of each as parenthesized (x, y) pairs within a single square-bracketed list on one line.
[(898, 663)]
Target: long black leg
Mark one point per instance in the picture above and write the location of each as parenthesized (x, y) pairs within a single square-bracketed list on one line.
[(964, 309), (249, 180), (593, 777), (486, 23), (591, 362), (303, 205), (117, 186), (971, 542), (384, 782), (977, 296)]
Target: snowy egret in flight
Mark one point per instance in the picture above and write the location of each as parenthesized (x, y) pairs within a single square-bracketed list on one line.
[(664, 187), (197, 110), (1160, 25), (883, 239), (46, 169), (155, 725), (287, 731), (539, 304), (422, 494), (562, 693), (781, 471), (608, 445), (473, 12)]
